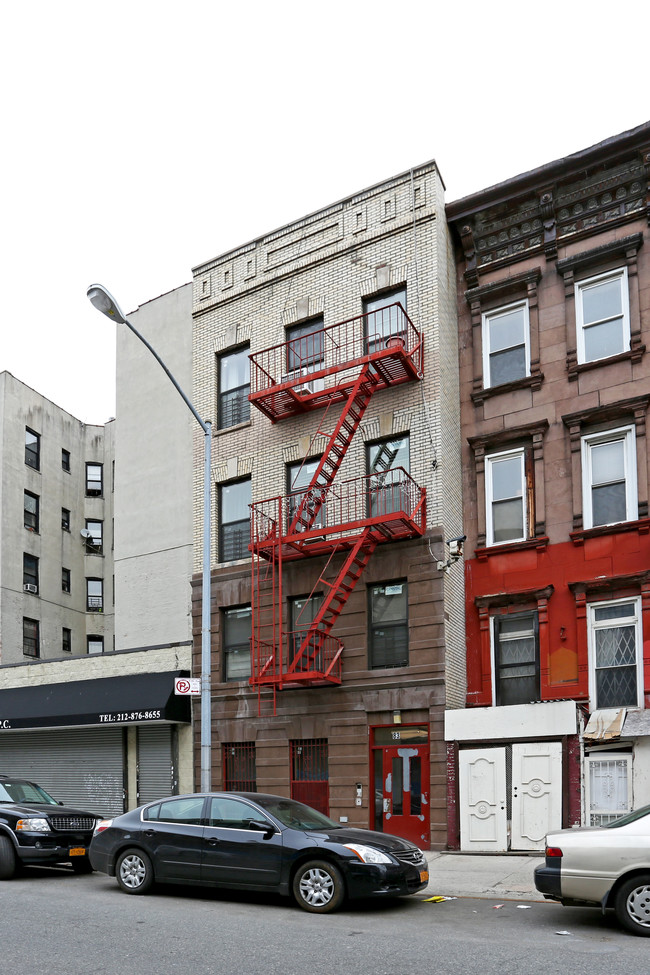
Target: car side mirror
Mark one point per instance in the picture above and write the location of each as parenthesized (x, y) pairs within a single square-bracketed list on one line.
[(261, 827)]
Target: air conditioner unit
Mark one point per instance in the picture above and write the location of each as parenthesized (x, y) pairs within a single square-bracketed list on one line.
[(305, 383), (30, 587)]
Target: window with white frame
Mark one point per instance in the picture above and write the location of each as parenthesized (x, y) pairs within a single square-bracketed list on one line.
[(506, 346), (236, 643), (609, 787), (609, 485), (505, 488), (615, 662), (602, 316)]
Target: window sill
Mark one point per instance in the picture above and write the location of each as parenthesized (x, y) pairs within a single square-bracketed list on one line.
[(483, 554), (534, 382), (641, 525), (236, 426), (576, 369)]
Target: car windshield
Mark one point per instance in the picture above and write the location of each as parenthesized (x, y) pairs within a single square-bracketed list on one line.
[(24, 792), (295, 814), (629, 818)]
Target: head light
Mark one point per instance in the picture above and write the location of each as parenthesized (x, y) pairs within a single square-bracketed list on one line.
[(368, 854), (35, 825)]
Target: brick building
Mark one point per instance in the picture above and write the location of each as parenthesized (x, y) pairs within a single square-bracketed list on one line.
[(554, 326), (327, 353)]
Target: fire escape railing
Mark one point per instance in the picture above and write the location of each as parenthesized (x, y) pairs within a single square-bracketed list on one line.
[(342, 364)]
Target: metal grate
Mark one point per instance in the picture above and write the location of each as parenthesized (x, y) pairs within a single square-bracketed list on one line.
[(72, 822), (239, 773), (310, 773)]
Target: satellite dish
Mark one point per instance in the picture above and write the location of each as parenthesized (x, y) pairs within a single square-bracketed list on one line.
[(86, 534)]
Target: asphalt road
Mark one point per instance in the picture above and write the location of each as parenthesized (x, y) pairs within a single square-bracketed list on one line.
[(52, 922)]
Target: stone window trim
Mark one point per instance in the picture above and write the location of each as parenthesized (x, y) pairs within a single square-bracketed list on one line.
[(620, 253), (489, 297), (530, 436), (489, 605), (599, 419), (589, 591)]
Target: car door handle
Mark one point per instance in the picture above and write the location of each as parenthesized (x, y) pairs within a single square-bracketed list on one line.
[(149, 832), (213, 841)]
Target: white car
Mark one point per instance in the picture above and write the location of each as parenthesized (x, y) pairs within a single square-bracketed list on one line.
[(606, 866)]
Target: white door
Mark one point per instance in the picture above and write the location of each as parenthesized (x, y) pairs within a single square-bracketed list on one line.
[(483, 818), (536, 793)]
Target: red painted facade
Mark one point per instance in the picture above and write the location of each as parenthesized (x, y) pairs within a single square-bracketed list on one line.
[(535, 258)]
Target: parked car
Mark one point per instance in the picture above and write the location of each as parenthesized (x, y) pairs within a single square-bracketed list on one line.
[(36, 829), (251, 841), (608, 866)]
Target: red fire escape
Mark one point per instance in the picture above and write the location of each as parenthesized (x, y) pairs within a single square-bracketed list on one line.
[(338, 368)]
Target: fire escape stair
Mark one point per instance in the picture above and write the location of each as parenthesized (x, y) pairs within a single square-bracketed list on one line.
[(310, 651), (336, 449)]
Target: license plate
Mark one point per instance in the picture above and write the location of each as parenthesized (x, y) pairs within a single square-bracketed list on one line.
[(78, 851), (424, 875)]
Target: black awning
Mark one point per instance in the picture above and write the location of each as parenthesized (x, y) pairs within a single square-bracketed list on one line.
[(108, 701)]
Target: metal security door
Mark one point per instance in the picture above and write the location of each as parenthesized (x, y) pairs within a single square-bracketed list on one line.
[(483, 815), (536, 793), (404, 798), (156, 775)]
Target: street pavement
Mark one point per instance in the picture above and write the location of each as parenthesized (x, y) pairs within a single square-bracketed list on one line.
[(507, 877)]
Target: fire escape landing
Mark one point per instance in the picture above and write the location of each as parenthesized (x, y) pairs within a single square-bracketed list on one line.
[(341, 366)]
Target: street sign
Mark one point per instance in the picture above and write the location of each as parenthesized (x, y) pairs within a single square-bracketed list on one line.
[(187, 686)]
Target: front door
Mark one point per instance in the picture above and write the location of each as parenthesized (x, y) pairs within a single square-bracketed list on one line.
[(536, 793), (401, 788), (483, 817), (524, 803)]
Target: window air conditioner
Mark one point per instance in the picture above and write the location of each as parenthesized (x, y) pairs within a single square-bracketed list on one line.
[(305, 384), (30, 587)]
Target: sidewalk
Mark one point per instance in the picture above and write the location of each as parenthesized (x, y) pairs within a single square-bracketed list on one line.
[(507, 877)]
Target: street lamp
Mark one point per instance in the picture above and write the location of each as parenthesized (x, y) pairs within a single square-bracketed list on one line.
[(107, 305)]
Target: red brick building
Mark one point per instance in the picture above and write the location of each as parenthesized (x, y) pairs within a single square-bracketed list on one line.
[(554, 328)]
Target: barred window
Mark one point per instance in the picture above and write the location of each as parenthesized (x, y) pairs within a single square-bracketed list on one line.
[(239, 766)]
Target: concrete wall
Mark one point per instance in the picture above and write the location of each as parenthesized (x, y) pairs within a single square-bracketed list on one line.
[(153, 476), (55, 547)]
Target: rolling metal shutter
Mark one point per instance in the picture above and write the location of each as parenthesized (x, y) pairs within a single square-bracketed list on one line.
[(81, 767), (156, 769)]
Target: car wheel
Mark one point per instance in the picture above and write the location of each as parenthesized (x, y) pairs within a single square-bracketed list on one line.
[(318, 887), (632, 905), (7, 859), (81, 865), (134, 872)]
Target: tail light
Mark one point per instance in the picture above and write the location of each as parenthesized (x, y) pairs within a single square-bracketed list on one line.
[(102, 824), (553, 851)]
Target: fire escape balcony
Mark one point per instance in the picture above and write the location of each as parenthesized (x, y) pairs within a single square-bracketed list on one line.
[(389, 503), (320, 368), (350, 518)]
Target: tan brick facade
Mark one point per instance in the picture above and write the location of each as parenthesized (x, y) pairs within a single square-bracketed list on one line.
[(389, 236)]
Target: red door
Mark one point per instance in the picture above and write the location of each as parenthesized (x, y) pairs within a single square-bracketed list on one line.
[(401, 773)]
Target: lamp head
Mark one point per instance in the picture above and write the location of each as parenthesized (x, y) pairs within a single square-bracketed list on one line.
[(104, 302)]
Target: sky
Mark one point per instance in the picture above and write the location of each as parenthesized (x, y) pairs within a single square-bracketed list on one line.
[(144, 138)]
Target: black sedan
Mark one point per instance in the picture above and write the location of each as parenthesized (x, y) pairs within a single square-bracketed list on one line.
[(251, 841)]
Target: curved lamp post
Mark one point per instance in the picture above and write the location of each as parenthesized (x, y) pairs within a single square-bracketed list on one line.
[(107, 305)]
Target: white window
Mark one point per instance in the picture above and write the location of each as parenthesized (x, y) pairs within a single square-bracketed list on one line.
[(609, 789), (602, 316), (615, 664), (505, 482), (506, 353), (609, 488)]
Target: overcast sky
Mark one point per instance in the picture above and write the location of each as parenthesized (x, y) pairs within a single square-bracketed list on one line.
[(143, 138)]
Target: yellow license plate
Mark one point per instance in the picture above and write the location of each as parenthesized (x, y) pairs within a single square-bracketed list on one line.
[(424, 875), (78, 851)]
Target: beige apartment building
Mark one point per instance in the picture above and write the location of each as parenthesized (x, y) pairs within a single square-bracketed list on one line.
[(95, 725), (326, 353)]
